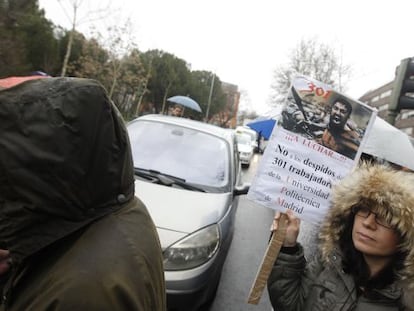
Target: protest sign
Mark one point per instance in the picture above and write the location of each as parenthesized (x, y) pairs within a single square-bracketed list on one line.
[(316, 143), (318, 140)]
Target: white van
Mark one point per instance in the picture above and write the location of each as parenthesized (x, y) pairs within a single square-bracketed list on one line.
[(245, 147), (252, 133)]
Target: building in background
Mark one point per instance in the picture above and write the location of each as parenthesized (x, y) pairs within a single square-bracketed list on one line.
[(380, 98)]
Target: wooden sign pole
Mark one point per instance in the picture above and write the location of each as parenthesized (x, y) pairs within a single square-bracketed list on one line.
[(269, 258)]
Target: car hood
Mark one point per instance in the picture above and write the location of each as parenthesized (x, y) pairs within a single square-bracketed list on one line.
[(178, 212)]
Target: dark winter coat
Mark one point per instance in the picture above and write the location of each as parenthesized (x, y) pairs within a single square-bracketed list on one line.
[(78, 237), (322, 284)]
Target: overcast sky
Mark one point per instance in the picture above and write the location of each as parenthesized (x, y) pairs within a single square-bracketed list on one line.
[(244, 41)]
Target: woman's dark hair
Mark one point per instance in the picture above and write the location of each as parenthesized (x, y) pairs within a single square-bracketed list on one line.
[(353, 262)]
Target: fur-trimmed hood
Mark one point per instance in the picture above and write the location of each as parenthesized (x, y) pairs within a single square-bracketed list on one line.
[(392, 194)]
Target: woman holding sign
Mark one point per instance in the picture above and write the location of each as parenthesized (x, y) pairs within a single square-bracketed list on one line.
[(366, 248)]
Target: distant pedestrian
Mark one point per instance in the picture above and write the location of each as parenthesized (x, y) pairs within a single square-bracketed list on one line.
[(259, 142), (366, 259), (177, 110), (75, 235)]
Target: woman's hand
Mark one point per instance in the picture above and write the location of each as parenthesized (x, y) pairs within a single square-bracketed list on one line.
[(5, 261), (292, 227)]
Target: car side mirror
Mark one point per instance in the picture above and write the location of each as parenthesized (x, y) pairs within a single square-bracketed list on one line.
[(242, 189)]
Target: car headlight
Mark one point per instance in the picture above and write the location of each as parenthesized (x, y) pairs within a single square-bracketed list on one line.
[(193, 250)]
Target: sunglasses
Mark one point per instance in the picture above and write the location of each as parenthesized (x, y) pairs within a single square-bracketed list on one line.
[(365, 212)]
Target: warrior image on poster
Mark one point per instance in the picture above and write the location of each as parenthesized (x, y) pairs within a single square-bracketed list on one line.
[(318, 113)]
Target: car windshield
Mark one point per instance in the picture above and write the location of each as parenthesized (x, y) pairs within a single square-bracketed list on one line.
[(194, 156), (242, 131), (243, 139)]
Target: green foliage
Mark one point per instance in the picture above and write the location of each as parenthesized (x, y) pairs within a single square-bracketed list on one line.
[(136, 81), (26, 39), (82, 51), (169, 76), (88, 60), (132, 84), (202, 82)]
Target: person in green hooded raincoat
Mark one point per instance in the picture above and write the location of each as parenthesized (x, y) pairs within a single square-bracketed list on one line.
[(76, 235)]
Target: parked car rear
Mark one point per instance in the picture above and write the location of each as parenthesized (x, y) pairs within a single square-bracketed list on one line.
[(245, 147), (252, 133)]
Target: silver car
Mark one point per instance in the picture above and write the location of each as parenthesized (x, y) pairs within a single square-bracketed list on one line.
[(188, 174), (246, 148)]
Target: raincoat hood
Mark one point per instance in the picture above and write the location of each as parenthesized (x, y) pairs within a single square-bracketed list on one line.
[(65, 161), (391, 194)]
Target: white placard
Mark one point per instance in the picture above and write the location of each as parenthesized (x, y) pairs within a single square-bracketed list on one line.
[(297, 171)]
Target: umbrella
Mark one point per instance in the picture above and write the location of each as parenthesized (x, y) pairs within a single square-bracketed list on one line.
[(389, 143), (185, 101), (12, 81), (263, 126)]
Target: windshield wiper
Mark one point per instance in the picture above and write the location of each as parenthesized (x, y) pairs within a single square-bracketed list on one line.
[(165, 179)]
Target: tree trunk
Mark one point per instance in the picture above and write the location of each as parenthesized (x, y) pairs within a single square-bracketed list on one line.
[(70, 42)]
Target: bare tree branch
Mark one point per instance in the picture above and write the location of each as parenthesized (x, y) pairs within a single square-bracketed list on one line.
[(310, 58), (71, 9)]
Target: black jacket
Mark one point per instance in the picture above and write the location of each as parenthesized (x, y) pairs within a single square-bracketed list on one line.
[(68, 213)]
